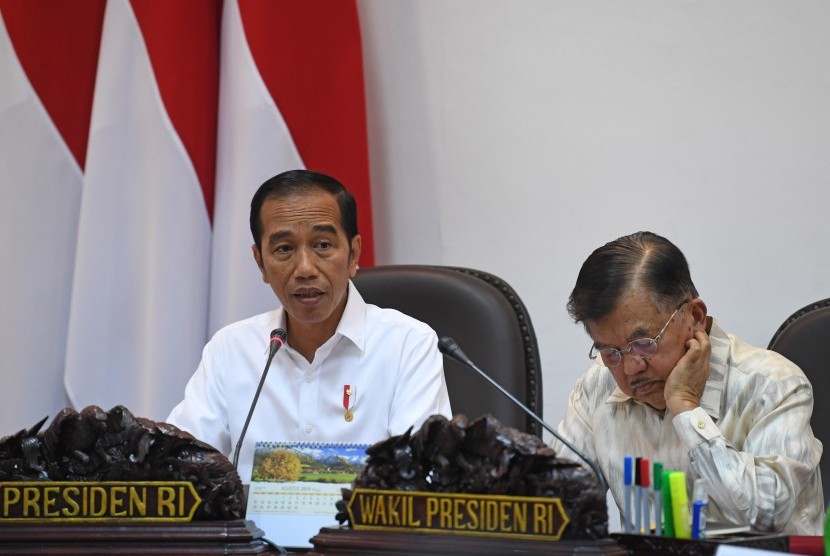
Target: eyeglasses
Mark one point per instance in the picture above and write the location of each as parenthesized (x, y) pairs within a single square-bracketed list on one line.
[(641, 347)]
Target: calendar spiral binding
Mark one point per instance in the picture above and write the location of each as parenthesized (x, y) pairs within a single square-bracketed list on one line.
[(315, 445)]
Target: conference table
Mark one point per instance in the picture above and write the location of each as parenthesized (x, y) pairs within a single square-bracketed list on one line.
[(344, 541), (243, 537)]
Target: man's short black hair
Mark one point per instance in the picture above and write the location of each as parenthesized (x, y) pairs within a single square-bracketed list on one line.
[(303, 182), (644, 258)]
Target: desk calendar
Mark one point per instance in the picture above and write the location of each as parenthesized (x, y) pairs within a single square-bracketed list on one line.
[(295, 486)]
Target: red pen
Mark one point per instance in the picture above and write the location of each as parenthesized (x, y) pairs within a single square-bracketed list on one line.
[(645, 483), (638, 493)]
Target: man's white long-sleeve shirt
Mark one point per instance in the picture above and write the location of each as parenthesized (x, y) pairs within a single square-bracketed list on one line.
[(389, 360)]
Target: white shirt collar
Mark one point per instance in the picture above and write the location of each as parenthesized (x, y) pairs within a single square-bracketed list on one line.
[(352, 324)]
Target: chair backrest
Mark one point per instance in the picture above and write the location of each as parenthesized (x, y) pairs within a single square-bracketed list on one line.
[(488, 320), (803, 339)]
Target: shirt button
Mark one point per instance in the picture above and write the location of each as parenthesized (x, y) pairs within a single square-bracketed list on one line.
[(309, 379), (308, 428), (701, 425)]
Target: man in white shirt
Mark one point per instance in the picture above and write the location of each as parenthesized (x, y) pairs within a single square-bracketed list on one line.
[(349, 372), (669, 384)]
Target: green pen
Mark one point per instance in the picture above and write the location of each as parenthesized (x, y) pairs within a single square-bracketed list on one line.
[(658, 498), (827, 535), (668, 518)]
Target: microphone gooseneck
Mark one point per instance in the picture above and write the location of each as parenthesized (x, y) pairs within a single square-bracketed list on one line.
[(276, 341), (449, 347)]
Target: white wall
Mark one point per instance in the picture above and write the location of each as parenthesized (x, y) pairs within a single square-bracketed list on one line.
[(516, 137)]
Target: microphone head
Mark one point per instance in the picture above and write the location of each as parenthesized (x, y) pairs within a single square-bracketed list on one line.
[(278, 337), (279, 333), (450, 348), (447, 346)]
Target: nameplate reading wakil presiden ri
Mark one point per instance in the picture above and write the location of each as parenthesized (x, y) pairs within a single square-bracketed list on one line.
[(476, 514)]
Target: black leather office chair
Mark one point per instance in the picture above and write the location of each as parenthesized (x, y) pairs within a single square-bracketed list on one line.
[(803, 339), (489, 322)]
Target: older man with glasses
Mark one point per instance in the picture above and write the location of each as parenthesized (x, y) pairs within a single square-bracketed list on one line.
[(669, 384)]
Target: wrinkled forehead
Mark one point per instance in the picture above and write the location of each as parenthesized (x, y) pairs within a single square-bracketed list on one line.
[(635, 316)]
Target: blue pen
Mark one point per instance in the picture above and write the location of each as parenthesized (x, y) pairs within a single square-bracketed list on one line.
[(628, 480), (699, 505)]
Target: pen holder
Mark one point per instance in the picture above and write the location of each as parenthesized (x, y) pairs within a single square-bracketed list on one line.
[(671, 546)]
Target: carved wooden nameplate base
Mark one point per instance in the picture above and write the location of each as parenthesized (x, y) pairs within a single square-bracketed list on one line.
[(116, 517), (332, 541), (132, 537), (107, 482)]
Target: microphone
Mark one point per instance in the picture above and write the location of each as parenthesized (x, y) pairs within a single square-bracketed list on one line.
[(448, 347), (278, 336)]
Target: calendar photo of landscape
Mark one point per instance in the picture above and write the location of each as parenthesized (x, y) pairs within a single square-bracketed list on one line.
[(305, 462)]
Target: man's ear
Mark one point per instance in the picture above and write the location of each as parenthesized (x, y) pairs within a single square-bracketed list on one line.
[(258, 258), (698, 310), (354, 254)]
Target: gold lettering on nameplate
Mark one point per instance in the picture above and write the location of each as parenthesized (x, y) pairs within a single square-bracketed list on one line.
[(157, 501), (472, 514)]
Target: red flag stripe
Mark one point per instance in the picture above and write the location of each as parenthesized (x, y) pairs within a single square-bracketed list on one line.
[(57, 45), (182, 41), (309, 55)]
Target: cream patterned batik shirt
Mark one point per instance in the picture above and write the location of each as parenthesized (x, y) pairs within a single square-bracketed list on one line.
[(750, 440)]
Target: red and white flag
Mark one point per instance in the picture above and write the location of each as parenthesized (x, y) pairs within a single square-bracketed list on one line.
[(48, 54), (123, 261), (139, 302), (291, 96)]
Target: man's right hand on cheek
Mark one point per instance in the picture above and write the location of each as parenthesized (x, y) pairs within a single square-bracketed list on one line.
[(685, 384)]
